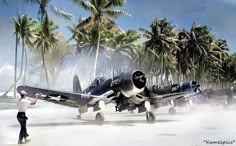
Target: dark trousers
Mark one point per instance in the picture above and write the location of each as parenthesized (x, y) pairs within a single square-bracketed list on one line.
[(21, 117)]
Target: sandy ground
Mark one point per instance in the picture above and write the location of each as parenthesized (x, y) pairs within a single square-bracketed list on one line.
[(53, 125)]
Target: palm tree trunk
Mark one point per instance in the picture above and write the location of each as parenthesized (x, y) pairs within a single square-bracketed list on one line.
[(178, 74), (162, 66), (156, 80), (44, 67), (97, 52), (194, 71), (25, 65), (22, 59), (15, 70), (18, 78), (16, 48)]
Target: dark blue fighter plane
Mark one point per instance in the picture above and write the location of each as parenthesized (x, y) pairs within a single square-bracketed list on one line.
[(154, 97), (224, 97), (99, 93), (127, 90)]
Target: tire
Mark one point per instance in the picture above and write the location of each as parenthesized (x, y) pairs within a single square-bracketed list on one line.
[(150, 117), (99, 118), (193, 109), (78, 117), (172, 111)]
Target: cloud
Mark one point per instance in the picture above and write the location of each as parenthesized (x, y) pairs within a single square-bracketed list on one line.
[(7, 42), (6, 76)]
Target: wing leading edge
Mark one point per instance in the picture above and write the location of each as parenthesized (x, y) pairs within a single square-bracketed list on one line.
[(59, 97)]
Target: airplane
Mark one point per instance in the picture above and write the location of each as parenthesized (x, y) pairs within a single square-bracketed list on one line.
[(176, 95), (100, 92), (127, 91), (224, 96)]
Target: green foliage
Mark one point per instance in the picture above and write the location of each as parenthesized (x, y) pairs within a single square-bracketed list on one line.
[(164, 52), (102, 12), (160, 41)]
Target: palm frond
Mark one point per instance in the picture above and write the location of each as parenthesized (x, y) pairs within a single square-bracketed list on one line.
[(61, 13), (115, 13), (85, 22), (86, 5), (145, 31), (31, 1), (118, 3)]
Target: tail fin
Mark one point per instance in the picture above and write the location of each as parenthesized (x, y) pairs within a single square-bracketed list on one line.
[(76, 85)]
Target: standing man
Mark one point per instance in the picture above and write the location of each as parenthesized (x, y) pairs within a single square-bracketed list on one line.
[(23, 104)]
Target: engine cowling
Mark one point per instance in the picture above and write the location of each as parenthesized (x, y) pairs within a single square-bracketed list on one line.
[(132, 83)]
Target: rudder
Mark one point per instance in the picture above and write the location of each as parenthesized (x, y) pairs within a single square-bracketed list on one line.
[(76, 85)]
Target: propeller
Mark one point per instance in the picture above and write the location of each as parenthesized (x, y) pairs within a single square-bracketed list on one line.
[(140, 78), (197, 88)]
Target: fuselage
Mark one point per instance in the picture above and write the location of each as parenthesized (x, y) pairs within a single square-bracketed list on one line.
[(126, 84)]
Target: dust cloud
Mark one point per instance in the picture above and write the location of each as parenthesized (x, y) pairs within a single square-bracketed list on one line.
[(51, 124)]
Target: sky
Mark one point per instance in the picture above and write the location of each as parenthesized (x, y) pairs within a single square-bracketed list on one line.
[(220, 15)]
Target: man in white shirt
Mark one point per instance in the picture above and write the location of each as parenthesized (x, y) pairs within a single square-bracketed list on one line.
[(23, 104)]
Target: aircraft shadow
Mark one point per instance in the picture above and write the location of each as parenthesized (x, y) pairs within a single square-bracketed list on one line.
[(92, 122), (163, 114), (165, 134)]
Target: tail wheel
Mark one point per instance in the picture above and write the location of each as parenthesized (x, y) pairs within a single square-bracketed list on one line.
[(150, 117), (99, 118), (172, 111)]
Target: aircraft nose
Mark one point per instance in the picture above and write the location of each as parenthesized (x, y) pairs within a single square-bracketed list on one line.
[(139, 79), (195, 86)]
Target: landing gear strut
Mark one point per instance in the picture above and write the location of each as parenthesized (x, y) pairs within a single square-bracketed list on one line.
[(225, 104), (79, 115), (150, 117), (172, 111), (99, 118)]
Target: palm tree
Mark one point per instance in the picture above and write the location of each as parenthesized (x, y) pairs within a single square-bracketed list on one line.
[(80, 36), (230, 63), (16, 49), (43, 17), (55, 57), (101, 11), (124, 44), (43, 5), (86, 42), (219, 58), (24, 26), (198, 44), (193, 48), (45, 40), (160, 40)]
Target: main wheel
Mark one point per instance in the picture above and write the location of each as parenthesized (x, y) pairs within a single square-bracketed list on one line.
[(150, 117), (192, 109), (99, 118), (79, 117), (225, 104), (172, 111)]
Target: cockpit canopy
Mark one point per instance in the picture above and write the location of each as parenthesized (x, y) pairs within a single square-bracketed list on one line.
[(97, 81)]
